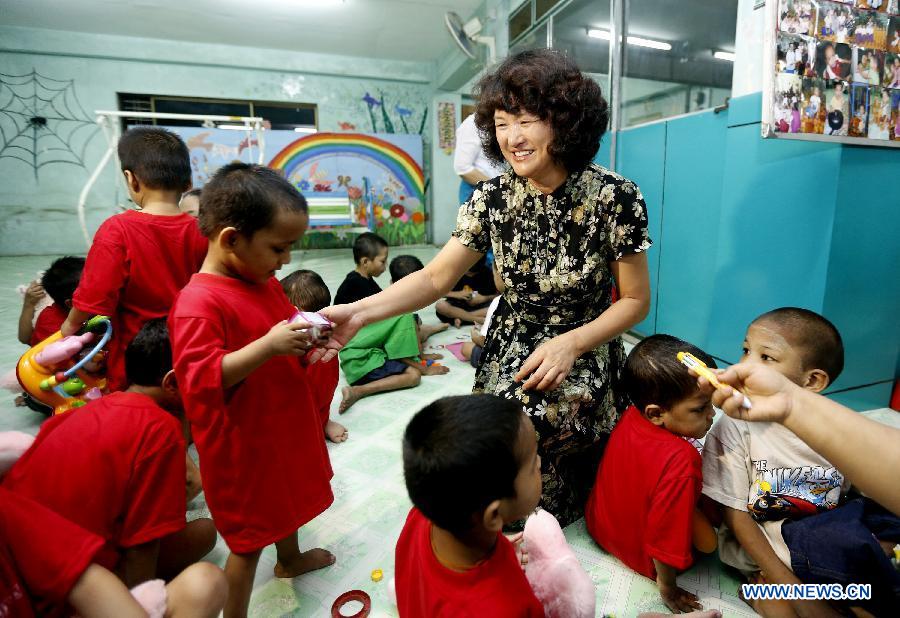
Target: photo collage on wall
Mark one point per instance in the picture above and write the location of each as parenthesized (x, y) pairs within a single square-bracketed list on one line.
[(838, 68)]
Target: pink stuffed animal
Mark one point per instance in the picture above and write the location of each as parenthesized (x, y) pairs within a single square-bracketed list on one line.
[(557, 578)]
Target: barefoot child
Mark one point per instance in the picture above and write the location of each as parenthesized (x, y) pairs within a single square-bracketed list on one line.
[(403, 266), (471, 466), (469, 300), (247, 397), (308, 292), (370, 252), (141, 258), (116, 467), (643, 507)]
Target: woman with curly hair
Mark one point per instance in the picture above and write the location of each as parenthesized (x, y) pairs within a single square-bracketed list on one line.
[(562, 230)]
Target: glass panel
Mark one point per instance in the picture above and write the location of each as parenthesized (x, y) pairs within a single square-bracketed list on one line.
[(535, 39), (542, 7), (199, 106), (520, 21), (287, 117), (685, 77), (570, 34)]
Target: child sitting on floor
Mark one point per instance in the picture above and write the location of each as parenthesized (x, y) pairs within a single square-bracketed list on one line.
[(471, 350), (469, 300), (308, 292), (246, 393), (403, 266), (471, 466), (116, 467), (48, 562), (59, 283), (770, 485), (140, 258), (643, 507), (370, 252)]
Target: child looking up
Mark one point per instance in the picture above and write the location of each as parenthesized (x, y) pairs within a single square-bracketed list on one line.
[(265, 466), (471, 466), (59, 282), (646, 515), (370, 252), (116, 467), (308, 292), (141, 258)]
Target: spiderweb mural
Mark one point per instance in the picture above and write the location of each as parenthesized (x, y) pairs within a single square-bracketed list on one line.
[(42, 122)]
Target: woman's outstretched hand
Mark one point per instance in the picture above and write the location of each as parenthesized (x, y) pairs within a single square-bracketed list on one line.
[(346, 322), (549, 364)]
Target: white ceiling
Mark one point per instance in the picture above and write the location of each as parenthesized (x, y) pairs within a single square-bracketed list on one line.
[(390, 29)]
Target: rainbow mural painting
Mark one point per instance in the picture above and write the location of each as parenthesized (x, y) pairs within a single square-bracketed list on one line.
[(398, 163)]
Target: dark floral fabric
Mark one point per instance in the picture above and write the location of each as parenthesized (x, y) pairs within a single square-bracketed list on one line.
[(553, 253)]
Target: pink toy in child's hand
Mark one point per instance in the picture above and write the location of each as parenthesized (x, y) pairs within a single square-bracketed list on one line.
[(58, 351), (151, 595), (557, 578), (321, 326)]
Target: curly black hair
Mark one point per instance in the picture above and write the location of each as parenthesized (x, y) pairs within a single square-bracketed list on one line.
[(550, 85)]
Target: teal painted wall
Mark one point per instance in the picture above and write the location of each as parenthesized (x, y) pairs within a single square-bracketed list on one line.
[(37, 216), (743, 225)]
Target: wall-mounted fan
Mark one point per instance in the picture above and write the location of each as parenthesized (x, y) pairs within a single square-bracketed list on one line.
[(467, 36)]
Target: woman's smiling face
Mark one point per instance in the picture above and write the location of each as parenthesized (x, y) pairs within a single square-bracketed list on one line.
[(525, 140)]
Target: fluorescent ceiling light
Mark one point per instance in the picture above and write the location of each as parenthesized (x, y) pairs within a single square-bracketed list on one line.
[(605, 35), (235, 127), (304, 129), (724, 55)]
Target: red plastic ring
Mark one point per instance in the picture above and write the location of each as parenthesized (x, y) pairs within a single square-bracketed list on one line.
[(353, 595)]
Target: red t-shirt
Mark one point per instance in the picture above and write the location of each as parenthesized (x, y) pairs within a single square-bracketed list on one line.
[(42, 556), (265, 465), (114, 467), (48, 322), (427, 589), (136, 265), (643, 500), (323, 380)]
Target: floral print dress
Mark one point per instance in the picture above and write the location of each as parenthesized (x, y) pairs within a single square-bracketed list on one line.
[(553, 253)]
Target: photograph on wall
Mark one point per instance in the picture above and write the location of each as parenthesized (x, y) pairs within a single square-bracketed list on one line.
[(895, 115), (833, 61), (787, 103), (893, 44), (893, 6), (835, 22), (870, 29), (867, 66), (859, 111), (873, 5), (890, 76), (797, 17), (879, 113), (793, 56), (836, 105), (813, 106)]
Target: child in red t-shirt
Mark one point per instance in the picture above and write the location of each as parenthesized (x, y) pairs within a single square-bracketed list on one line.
[(140, 259), (59, 283), (265, 465), (47, 562), (471, 466), (643, 507), (116, 467), (308, 292)]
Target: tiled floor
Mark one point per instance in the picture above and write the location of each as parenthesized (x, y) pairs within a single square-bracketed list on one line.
[(370, 498)]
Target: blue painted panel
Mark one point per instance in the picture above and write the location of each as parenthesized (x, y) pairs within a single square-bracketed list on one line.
[(690, 225), (745, 110), (641, 157), (778, 201), (867, 398), (602, 157), (863, 293)]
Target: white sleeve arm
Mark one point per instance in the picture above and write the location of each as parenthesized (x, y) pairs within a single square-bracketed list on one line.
[(468, 145)]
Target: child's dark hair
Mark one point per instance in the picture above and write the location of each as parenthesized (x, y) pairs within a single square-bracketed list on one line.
[(158, 158), (61, 279), (148, 358), (654, 375), (306, 290), (817, 339), (368, 245), (459, 455), (246, 197), (404, 265)]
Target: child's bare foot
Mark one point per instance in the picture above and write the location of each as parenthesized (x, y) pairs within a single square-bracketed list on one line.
[(435, 370), (307, 561), (431, 356), (457, 323), (427, 331), (336, 432), (20, 401), (348, 398)]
